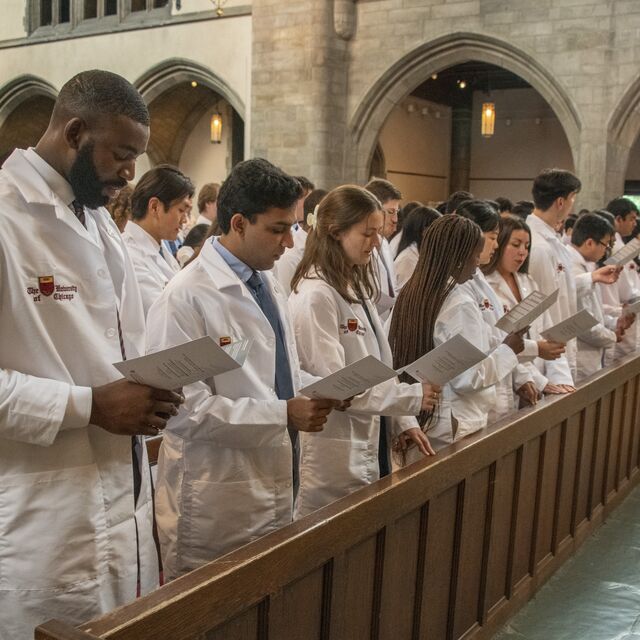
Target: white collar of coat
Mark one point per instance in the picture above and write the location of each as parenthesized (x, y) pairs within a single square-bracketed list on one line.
[(578, 257), (26, 168), (142, 238), (539, 225), (219, 271)]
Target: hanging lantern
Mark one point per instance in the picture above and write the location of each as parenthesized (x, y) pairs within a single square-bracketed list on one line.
[(216, 128), (488, 119)]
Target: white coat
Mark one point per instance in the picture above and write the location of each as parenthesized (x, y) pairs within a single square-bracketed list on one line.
[(555, 371), (225, 465), (332, 333), (470, 396), (592, 343), (550, 267), (67, 523), (153, 263), (405, 264), (284, 268), (626, 289), (491, 310), (387, 280)]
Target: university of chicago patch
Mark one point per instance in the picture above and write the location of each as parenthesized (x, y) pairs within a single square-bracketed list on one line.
[(46, 285)]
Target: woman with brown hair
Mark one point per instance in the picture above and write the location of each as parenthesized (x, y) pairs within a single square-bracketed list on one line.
[(336, 324), (432, 308)]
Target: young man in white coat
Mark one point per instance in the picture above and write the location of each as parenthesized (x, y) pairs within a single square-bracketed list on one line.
[(74, 490), (389, 197), (225, 473), (554, 193), (590, 241), (160, 205)]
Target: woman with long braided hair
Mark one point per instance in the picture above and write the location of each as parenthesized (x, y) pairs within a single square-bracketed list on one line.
[(432, 308), (336, 324)]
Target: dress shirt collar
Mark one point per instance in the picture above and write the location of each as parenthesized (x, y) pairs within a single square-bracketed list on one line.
[(242, 270), (539, 225)]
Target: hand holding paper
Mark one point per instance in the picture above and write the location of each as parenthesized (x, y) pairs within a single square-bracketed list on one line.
[(570, 328), (445, 362), (185, 364), (523, 314), (350, 381)]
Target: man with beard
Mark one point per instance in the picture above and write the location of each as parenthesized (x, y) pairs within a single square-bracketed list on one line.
[(75, 498)]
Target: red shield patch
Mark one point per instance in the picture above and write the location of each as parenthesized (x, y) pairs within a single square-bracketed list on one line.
[(46, 285), (225, 340), (352, 324)]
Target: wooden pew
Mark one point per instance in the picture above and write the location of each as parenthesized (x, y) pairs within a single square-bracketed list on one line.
[(449, 547)]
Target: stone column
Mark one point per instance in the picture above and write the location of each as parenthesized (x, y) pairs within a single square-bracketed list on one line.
[(460, 172), (299, 87)]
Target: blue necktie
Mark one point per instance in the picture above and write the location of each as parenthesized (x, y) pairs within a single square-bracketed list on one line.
[(283, 382)]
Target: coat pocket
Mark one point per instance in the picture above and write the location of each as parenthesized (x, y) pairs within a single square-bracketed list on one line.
[(218, 517), (53, 529), (332, 468)]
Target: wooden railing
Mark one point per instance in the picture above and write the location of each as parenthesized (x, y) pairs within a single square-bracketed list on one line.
[(449, 547)]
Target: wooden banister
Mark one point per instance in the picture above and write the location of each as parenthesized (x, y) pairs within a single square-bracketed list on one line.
[(448, 547)]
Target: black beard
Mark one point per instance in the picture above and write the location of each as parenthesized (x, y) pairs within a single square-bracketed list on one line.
[(85, 182)]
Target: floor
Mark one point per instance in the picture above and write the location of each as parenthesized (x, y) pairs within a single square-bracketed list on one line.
[(596, 594)]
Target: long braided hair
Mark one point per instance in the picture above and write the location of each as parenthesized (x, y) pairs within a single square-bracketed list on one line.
[(448, 245)]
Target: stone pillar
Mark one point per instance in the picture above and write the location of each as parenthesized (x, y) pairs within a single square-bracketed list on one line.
[(460, 148), (591, 168), (299, 86)]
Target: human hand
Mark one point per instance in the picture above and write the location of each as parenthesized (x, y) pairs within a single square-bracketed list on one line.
[(528, 394), (414, 436), (306, 414), (606, 275), (430, 395), (129, 409), (558, 389), (515, 341), (549, 350)]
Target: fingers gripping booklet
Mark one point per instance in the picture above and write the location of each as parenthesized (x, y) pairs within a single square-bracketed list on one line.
[(185, 363), (438, 367)]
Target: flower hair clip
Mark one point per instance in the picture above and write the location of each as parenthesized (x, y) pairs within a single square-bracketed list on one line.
[(312, 218)]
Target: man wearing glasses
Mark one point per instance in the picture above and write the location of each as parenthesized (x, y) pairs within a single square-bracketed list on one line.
[(389, 197)]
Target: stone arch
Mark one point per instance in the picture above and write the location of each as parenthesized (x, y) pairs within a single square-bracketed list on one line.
[(26, 103), (165, 83), (623, 130), (414, 67)]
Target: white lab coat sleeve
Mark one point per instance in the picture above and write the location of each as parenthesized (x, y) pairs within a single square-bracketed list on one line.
[(530, 351), (584, 282), (230, 422), (539, 380), (150, 289), (33, 410), (521, 375), (498, 364), (316, 322), (541, 269), (599, 336), (558, 371)]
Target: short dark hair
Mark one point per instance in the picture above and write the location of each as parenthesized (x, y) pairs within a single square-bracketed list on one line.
[(208, 193), (383, 190), (621, 207), (416, 223), (523, 208), (313, 200), (481, 212), (456, 199), (164, 182), (570, 222), (590, 226), (305, 183), (504, 204), (253, 186), (609, 217), (196, 235), (552, 184), (98, 92)]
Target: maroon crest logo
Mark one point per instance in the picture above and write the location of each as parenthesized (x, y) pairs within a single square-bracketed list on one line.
[(560, 267), (352, 324), (46, 285)]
